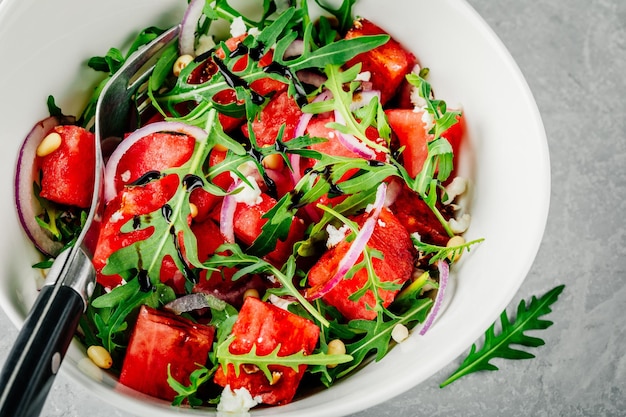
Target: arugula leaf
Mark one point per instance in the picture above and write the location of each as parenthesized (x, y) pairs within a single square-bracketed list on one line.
[(343, 13), (442, 252), (188, 393), (249, 264), (377, 337), (498, 346), (109, 311), (293, 361)]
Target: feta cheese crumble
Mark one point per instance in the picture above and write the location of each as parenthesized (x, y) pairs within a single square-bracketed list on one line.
[(249, 195), (125, 176), (456, 187), (205, 44), (461, 224), (238, 27), (336, 235), (236, 402)]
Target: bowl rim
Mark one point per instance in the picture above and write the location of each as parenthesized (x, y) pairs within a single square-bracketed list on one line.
[(388, 390)]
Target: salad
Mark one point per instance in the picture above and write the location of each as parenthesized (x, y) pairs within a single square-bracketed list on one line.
[(283, 209)]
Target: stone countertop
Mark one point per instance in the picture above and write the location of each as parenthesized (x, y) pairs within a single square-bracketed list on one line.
[(573, 55)]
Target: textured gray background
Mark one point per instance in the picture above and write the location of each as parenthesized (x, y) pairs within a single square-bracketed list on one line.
[(573, 55)]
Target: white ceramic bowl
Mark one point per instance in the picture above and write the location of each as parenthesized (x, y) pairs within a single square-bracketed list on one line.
[(44, 46)]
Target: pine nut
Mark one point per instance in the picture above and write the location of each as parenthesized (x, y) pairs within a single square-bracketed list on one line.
[(100, 356), (336, 347), (399, 333), (49, 144), (273, 161), (193, 210), (251, 292), (455, 241), (276, 375), (180, 64)]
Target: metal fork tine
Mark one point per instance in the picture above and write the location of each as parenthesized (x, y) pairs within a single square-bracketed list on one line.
[(112, 113)]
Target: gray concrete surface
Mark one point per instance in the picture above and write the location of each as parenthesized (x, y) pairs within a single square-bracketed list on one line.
[(573, 55)]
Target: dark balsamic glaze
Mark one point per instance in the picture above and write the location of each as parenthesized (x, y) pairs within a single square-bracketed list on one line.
[(166, 210), (375, 163), (234, 80), (276, 68), (145, 284), (147, 177), (191, 182)]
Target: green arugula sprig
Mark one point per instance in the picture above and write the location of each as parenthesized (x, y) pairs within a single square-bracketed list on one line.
[(249, 264), (443, 252), (189, 393), (167, 222), (109, 312), (341, 102), (263, 362), (529, 317), (439, 162), (375, 337)]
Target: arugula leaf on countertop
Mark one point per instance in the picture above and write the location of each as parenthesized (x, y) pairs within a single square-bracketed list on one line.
[(498, 346)]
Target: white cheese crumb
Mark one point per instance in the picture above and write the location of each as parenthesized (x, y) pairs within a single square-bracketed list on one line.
[(416, 236), (416, 99), (428, 120), (116, 216), (399, 333), (336, 235), (236, 402), (249, 195), (279, 302), (254, 32), (125, 176), (456, 187), (460, 225), (205, 44), (364, 76), (381, 223), (238, 27)]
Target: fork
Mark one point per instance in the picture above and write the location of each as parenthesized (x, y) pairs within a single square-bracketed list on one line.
[(36, 356)]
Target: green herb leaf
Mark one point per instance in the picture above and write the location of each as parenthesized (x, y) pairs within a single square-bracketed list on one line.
[(498, 346), (293, 361), (189, 393)]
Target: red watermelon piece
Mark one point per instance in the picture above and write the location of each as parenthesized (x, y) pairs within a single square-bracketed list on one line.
[(393, 241), (68, 172), (388, 64), (161, 339), (266, 326)]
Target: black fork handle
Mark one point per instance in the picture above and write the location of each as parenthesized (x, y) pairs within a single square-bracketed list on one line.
[(41, 344), (35, 358)]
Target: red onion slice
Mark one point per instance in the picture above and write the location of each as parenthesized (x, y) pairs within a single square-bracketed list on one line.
[(188, 25), (351, 142), (110, 187), (444, 272), (227, 214), (303, 123), (357, 247), (25, 174)]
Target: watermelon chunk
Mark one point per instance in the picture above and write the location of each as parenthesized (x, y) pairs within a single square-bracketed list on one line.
[(68, 172), (266, 326), (417, 217), (161, 339), (388, 64), (220, 283), (131, 202), (393, 241), (282, 109), (154, 152)]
